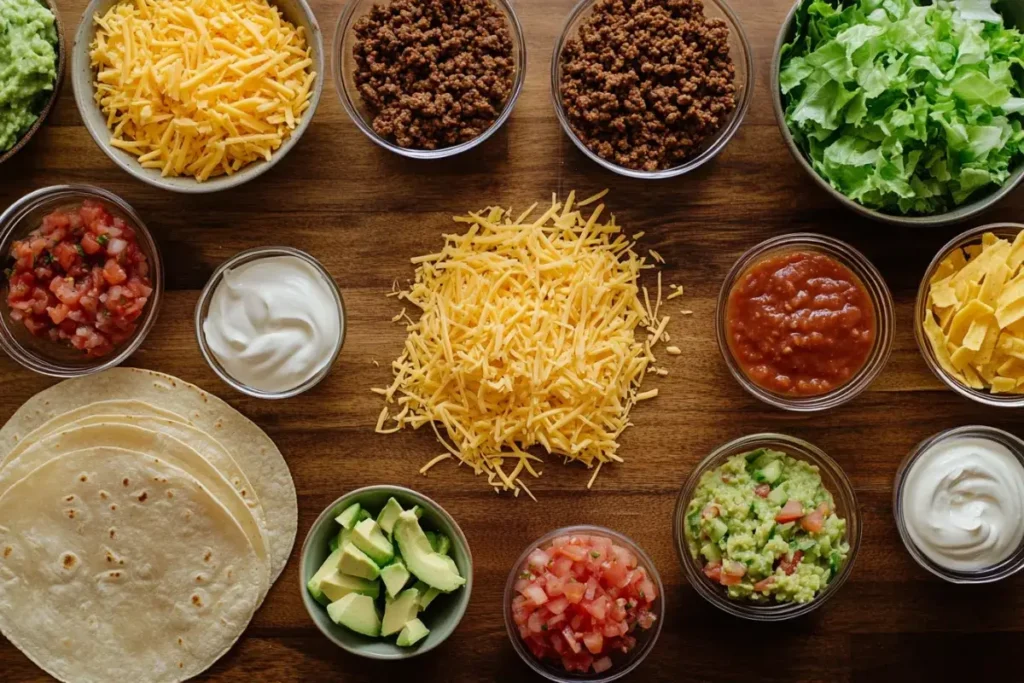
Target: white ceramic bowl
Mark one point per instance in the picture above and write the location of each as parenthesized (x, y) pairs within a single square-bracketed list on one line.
[(83, 83)]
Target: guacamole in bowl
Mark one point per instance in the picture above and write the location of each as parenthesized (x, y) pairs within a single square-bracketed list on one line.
[(763, 525), (28, 66)]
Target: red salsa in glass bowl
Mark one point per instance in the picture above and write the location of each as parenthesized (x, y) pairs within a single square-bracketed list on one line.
[(804, 322), (800, 323), (81, 280)]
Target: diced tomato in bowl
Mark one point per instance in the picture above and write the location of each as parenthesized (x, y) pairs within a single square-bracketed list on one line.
[(584, 603), (80, 278)]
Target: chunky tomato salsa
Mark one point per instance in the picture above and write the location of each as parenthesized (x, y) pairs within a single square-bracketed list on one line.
[(580, 601), (800, 323), (80, 279)]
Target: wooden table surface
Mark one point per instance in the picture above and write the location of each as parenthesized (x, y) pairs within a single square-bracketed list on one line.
[(364, 212)]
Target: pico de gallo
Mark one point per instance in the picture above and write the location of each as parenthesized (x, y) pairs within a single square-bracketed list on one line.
[(580, 600), (764, 527), (79, 279)]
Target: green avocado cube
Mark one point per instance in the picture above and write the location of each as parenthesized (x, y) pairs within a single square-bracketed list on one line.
[(349, 516), (394, 576), (329, 566), (368, 537), (427, 595), (432, 538), (400, 611), (388, 515), (337, 585), (437, 571), (412, 633), (356, 612), (355, 562)]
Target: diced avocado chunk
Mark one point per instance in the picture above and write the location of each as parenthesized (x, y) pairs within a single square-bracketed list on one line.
[(388, 515), (333, 544), (400, 611), (412, 633), (369, 538), (432, 537), (717, 529), (363, 514), (755, 454), (329, 566), (394, 576), (778, 496), (769, 474), (425, 564), (427, 597), (444, 544), (349, 516), (335, 586), (355, 562), (356, 612)]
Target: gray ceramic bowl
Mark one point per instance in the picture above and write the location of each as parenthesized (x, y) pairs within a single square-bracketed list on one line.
[(443, 615), (1013, 10), (54, 94), (82, 81)]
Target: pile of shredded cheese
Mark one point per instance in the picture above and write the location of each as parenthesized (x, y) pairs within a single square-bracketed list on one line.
[(200, 87), (528, 335)]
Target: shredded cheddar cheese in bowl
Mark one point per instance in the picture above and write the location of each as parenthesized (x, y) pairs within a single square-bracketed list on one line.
[(200, 87), (532, 332)]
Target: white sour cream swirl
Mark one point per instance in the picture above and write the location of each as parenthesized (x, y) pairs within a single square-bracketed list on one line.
[(273, 323), (963, 503)]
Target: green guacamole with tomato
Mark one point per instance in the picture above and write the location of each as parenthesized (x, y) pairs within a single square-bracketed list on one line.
[(764, 527), (28, 66)]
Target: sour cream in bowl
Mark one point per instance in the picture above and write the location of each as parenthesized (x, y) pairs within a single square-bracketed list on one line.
[(271, 322), (959, 504)]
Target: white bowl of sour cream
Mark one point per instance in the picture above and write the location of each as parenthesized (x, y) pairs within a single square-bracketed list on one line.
[(271, 322), (959, 504)]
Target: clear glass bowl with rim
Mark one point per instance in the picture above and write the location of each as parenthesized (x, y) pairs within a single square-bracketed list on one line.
[(832, 478), (882, 303), (203, 308), (622, 664), (344, 66), (43, 355), (972, 236), (743, 60), (1008, 567)]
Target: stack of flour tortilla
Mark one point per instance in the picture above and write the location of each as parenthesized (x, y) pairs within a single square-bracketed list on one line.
[(142, 522)]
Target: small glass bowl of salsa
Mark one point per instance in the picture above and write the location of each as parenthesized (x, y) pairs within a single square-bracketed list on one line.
[(804, 322), (93, 275)]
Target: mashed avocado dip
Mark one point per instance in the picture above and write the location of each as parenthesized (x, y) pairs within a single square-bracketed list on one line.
[(766, 528), (28, 65)]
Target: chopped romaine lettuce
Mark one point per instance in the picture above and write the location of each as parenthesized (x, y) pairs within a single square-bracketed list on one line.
[(906, 107)]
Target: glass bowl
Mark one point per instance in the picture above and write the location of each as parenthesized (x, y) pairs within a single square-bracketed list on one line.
[(42, 355), (743, 60), (881, 298), (832, 478), (622, 664), (344, 80), (973, 236), (203, 307), (1012, 564)]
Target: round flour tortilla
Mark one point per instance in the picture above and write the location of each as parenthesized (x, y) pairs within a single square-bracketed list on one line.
[(251, 448), (148, 443), (201, 442), (114, 407), (99, 585)]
